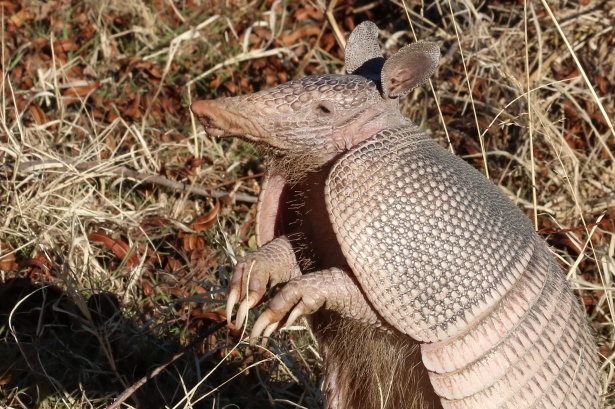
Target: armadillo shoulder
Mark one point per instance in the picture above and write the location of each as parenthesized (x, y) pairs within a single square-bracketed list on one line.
[(433, 243)]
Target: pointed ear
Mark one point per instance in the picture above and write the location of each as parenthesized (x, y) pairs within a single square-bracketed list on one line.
[(409, 67), (363, 54)]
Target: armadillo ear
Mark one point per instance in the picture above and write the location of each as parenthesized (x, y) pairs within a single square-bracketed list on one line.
[(363, 54), (409, 67)]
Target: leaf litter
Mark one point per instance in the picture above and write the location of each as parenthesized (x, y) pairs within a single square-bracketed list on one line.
[(119, 217)]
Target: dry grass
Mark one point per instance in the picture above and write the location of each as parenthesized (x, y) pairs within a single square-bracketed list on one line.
[(105, 273)]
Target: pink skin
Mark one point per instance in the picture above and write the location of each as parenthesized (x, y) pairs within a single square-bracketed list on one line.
[(335, 127)]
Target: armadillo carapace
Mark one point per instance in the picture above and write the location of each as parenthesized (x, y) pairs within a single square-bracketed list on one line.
[(424, 283)]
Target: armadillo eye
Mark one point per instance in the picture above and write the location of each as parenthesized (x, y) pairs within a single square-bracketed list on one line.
[(324, 108)]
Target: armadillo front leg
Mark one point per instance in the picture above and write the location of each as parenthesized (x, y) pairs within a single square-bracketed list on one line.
[(271, 264), (333, 289)]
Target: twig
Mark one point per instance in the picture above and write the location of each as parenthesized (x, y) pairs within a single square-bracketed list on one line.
[(341, 40), (42, 165), (135, 386)]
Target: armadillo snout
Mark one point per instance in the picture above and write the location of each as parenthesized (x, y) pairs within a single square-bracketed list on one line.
[(206, 113), (199, 108)]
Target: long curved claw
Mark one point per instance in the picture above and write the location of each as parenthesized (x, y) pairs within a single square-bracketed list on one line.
[(234, 292), (242, 311), (297, 312), (262, 324), (266, 334), (244, 285), (269, 330), (233, 297), (270, 320)]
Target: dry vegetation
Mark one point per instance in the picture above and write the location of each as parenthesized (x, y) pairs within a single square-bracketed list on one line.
[(113, 254)]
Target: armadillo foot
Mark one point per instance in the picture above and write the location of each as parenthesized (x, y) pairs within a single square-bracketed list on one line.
[(289, 298), (272, 264), (332, 289)]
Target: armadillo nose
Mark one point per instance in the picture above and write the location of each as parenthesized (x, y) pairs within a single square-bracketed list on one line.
[(198, 108), (205, 113)]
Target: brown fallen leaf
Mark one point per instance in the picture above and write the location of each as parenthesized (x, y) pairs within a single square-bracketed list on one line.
[(304, 13), (6, 378), (602, 83), (132, 111), (173, 265), (207, 220), (302, 33), (168, 106), (150, 68), (147, 288), (64, 45), (82, 91), (7, 259), (191, 241), (40, 42), (9, 5), (327, 42), (194, 163), (22, 17), (120, 248), (40, 262), (111, 115), (37, 113)]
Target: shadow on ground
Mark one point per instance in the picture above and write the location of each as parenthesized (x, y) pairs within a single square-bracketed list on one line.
[(93, 353)]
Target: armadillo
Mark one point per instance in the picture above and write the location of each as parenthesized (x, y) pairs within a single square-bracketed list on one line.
[(425, 285)]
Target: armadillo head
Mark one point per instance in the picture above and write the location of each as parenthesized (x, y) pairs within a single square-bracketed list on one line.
[(307, 122), (319, 116)]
